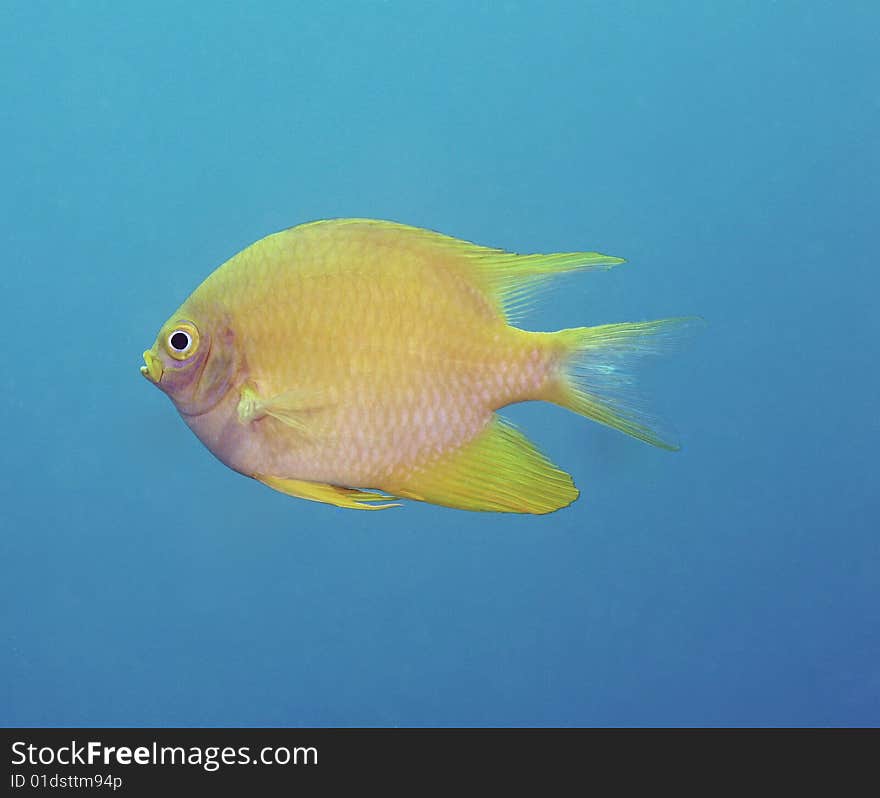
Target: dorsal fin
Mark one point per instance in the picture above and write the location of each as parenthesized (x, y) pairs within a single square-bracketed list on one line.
[(508, 280)]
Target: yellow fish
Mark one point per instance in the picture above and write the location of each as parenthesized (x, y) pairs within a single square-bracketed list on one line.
[(348, 356)]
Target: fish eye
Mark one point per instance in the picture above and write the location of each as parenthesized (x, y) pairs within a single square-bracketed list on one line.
[(182, 341)]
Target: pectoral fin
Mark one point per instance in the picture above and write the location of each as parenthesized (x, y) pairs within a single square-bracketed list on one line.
[(297, 409), (349, 498)]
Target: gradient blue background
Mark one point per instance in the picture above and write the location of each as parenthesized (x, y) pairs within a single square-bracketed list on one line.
[(729, 151)]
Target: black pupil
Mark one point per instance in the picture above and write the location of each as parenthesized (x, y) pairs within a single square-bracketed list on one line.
[(180, 341)]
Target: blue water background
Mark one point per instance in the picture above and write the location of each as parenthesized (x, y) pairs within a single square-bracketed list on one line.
[(729, 151)]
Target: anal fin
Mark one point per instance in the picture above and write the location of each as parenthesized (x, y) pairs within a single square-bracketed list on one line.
[(349, 498), (500, 471)]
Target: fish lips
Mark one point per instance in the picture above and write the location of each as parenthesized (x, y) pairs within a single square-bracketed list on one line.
[(153, 368)]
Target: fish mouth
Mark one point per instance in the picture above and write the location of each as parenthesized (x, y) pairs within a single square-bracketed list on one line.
[(153, 369)]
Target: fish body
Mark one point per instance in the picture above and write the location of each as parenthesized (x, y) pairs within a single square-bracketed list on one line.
[(346, 356)]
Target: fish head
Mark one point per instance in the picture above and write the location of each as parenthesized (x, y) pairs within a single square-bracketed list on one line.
[(194, 360)]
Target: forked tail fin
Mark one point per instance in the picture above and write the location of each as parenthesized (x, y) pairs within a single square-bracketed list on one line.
[(597, 378)]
